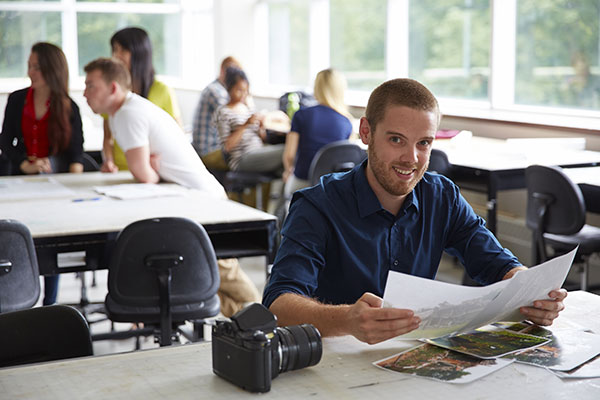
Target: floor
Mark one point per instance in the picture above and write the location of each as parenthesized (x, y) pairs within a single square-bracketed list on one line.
[(70, 293)]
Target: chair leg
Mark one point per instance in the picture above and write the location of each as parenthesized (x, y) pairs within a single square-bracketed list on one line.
[(584, 274), (259, 197)]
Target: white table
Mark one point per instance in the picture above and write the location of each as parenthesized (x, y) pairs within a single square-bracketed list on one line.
[(491, 165), (345, 372), (59, 224)]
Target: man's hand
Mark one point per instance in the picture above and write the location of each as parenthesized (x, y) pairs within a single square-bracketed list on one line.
[(370, 323), (365, 319), (544, 312), (109, 166)]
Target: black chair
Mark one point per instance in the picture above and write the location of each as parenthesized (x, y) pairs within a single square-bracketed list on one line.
[(438, 162), (19, 274), (338, 156), (89, 163), (43, 334), (163, 272), (238, 181), (556, 215)]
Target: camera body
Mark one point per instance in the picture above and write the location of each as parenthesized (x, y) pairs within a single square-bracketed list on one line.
[(250, 350)]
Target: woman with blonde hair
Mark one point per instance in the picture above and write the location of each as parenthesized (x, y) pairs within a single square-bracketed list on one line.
[(314, 127)]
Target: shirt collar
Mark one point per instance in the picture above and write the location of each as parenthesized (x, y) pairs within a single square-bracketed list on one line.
[(368, 203)]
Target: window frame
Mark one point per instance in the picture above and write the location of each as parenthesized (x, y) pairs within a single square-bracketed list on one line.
[(499, 106)]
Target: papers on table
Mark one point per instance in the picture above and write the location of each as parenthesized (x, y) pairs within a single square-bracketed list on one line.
[(129, 191), (447, 309), (489, 342), (441, 364), (21, 189), (566, 350)]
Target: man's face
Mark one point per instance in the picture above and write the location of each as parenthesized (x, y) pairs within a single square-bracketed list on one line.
[(97, 92), (399, 149)]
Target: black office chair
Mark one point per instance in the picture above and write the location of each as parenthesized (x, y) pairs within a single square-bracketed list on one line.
[(438, 162), (338, 156), (238, 181), (556, 215), (19, 274), (89, 164), (43, 334), (163, 272)]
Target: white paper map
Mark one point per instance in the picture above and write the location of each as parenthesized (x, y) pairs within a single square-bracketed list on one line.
[(447, 309)]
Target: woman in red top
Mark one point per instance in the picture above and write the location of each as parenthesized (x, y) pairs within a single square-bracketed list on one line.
[(41, 132)]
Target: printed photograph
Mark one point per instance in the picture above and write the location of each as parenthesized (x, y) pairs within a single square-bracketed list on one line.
[(489, 342), (443, 365)]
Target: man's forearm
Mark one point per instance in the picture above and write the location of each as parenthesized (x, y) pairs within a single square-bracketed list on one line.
[(293, 309)]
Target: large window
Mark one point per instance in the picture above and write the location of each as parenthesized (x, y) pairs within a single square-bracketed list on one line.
[(18, 32), (357, 38), (83, 29), (450, 46), (511, 55), (557, 53)]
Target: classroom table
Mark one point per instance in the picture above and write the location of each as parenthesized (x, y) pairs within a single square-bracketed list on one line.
[(65, 214), (588, 180), (491, 165), (345, 372)]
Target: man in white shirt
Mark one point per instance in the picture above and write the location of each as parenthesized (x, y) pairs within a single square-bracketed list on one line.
[(145, 132)]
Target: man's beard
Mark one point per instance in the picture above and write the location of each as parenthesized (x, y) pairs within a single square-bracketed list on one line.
[(387, 178)]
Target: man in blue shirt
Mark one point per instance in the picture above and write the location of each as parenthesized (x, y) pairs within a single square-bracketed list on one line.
[(343, 236)]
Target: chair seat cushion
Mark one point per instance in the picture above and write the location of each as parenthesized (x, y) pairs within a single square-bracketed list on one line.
[(588, 239), (179, 313)]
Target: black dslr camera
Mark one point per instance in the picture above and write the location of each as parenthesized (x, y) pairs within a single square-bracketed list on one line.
[(250, 350)]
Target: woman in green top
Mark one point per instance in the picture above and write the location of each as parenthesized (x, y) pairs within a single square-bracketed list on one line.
[(132, 46)]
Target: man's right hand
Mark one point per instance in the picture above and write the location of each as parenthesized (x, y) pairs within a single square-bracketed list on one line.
[(370, 323), (365, 319), (109, 166)]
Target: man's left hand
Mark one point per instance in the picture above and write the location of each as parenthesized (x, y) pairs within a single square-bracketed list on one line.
[(544, 312)]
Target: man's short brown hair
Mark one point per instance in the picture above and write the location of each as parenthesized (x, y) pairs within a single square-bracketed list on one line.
[(112, 70), (400, 92)]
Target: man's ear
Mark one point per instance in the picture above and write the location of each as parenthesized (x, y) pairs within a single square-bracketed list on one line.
[(113, 87), (364, 130)]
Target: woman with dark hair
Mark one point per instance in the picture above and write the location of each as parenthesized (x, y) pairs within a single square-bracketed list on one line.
[(241, 131), (42, 130), (132, 46)]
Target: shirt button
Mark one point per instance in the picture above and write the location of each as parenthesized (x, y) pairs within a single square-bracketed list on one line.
[(396, 263), (35, 127)]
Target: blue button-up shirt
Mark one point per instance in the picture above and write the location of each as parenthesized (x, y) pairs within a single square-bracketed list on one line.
[(338, 242)]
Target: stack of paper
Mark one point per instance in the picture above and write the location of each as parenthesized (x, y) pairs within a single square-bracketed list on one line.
[(456, 352)]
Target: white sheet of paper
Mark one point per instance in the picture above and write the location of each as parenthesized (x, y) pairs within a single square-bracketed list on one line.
[(447, 309), (21, 189), (128, 191)]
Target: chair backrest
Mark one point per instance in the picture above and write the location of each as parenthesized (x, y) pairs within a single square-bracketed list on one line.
[(554, 203), (438, 162), (19, 274), (89, 164), (132, 281), (337, 156), (43, 334)]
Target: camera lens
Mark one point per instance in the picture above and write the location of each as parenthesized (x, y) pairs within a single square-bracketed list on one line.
[(299, 346)]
